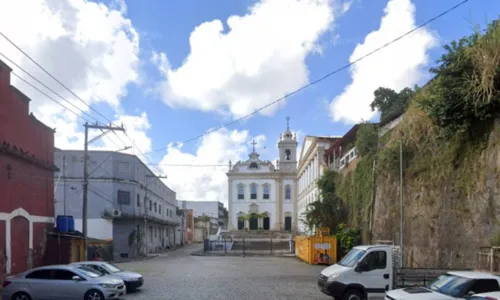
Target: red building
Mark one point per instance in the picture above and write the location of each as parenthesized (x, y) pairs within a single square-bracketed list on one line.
[(26, 181)]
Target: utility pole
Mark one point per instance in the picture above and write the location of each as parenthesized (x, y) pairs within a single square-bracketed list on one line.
[(146, 202), (401, 224), (85, 176), (64, 184)]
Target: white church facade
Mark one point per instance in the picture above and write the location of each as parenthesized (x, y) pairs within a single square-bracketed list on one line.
[(263, 196)]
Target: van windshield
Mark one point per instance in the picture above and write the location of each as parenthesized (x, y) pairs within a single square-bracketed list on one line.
[(352, 258)]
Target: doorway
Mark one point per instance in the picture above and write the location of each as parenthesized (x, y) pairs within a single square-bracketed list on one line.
[(254, 222), (267, 223), (288, 223)]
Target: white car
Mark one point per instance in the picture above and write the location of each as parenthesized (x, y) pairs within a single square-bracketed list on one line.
[(62, 282), (450, 286), (132, 280), (486, 296)]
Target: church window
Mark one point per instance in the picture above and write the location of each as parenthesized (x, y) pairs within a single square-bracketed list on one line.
[(253, 165), (253, 192), (288, 192), (241, 192), (265, 194), (288, 154)]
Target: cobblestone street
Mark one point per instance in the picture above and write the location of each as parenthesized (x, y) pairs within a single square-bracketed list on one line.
[(178, 275)]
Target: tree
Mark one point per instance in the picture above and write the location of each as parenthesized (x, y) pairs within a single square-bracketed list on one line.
[(465, 95), (366, 139), (328, 210), (391, 103)]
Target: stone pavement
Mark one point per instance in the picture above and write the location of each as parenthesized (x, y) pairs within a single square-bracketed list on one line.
[(179, 275)]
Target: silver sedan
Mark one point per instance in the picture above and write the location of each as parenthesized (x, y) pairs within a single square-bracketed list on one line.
[(132, 280), (62, 282)]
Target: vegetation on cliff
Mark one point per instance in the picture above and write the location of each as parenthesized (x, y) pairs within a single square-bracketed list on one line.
[(448, 127)]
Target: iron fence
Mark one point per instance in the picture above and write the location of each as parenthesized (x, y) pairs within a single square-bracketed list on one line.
[(249, 246)]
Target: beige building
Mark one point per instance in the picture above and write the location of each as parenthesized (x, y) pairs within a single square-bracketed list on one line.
[(310, 168)]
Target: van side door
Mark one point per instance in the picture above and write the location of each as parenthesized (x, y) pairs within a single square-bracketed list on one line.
[(374, 273)]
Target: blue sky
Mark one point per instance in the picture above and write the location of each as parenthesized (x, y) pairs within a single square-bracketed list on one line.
[(163, 69), (167, 25)]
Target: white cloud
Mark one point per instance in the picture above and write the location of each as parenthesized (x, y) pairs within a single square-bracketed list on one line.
[(92, 48), (259, 58), (398, 66), (206, 183)]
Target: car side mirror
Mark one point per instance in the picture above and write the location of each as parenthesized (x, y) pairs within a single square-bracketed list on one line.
[(470, 294), (77, 278), (361, 267)]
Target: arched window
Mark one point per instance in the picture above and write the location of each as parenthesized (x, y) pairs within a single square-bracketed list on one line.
[(241, 192), (288, 192), (253, 192), (265, 194), (288, 154)]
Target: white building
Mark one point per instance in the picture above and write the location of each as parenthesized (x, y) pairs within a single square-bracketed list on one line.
[(309, 170), (261, 195)]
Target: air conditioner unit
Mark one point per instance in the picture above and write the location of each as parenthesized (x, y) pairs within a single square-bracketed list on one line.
[(117, 213)]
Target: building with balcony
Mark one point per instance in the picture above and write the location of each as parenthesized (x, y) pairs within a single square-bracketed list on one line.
[(126, 201), (309, 169), (342, 156)]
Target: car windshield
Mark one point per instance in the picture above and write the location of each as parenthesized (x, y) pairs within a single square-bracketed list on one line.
[(89, 272), (450, 285), (111, 268), (352, 258)]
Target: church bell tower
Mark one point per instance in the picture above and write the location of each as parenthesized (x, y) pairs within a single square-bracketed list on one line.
[(288, 150)]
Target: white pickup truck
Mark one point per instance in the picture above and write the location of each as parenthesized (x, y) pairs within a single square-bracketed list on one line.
[(368, 272)]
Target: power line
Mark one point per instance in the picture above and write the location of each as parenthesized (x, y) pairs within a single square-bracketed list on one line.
[(44, 85), (51, 76), (49, 97), (319, 79)]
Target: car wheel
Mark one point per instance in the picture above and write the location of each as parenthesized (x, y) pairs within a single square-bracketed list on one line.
[(21, 296), (94, 295), (353, 295)]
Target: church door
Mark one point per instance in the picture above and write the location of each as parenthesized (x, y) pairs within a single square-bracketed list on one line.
[(288, 223), (241, 224), (254, 222), (266, 223)]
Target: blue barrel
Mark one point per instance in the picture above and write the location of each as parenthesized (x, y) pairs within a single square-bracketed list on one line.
[(71, 223), (62, 224)]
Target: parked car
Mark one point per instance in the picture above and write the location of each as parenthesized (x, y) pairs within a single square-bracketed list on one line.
[(449, 286), (486, 296), (368, 271), (62, 282), (132, 280)]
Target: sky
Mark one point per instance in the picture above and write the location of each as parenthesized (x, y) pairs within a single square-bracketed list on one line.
[(173, 72)]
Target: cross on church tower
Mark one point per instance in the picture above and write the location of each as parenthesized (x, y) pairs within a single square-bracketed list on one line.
[(253, 144), (287, 123)]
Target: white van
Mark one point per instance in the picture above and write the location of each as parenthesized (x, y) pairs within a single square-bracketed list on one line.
[(368, 272)]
